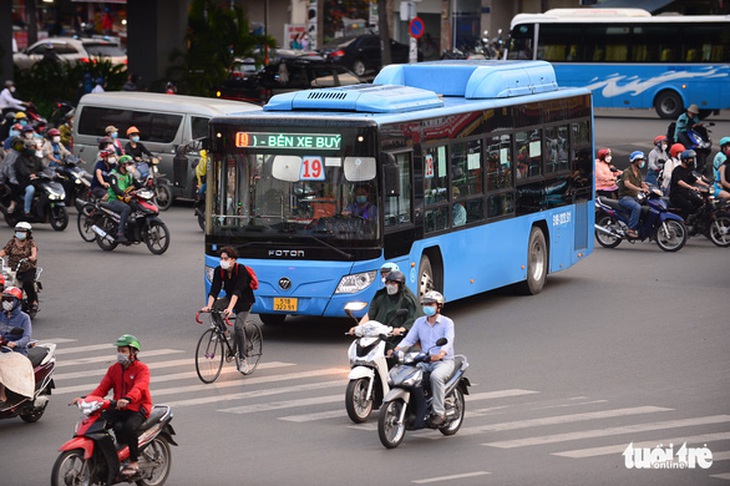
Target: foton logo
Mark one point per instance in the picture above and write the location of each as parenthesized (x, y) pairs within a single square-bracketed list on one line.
[(287, 253)]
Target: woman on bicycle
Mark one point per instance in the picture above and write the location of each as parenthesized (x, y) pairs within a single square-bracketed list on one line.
[(232, 277), (23, 247)]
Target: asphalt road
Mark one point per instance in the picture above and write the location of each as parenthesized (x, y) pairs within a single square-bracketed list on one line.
[(628, 346)]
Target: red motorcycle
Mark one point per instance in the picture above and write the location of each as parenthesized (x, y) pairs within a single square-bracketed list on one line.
[(94, 457), (25, 403)]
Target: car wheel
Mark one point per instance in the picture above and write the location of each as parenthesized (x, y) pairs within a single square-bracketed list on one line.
[(358, 67)]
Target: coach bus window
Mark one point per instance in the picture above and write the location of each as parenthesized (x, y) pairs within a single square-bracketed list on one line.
[(499, 163), (521, 42), (501, 205), (398, 207), (556, 149), (529, 153), (435, 177), (582, 160), (705, 43)]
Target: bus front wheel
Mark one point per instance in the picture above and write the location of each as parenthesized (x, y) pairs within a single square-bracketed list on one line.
[(537, 263), (668, 105)]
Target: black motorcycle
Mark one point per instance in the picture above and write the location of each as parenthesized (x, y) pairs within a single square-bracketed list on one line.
[(48, 204), (10, 279), (711, 220), (76, 180)]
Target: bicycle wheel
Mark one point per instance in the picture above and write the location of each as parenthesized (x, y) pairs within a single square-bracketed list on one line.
[(84, 222), (254, 345), (209, 356)]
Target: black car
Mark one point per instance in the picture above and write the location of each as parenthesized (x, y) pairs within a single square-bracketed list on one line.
[(362, 54), (288, 71)]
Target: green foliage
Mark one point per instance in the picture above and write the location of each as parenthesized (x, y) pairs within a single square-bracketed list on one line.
[(47, 82), (216, 37)]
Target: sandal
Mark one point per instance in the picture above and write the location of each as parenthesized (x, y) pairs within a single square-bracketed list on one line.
[(129, 470), (632, 233)]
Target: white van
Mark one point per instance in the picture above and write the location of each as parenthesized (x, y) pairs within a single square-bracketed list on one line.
[(166, 122)]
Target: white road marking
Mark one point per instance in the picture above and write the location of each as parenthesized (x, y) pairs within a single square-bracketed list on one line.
[(57, 340), (311, 417), (84, 349), (299, 402), (100, 371), (721, 476), (609, 431), (516, 392), (109, 359), (720, 456), (451, 478), (619, 448)]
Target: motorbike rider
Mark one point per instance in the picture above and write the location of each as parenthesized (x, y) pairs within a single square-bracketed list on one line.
[(719, 167), (665, 177), (8, 172), (13, 132), (606, 175), (134, 147), (53, 150), (66, 129), (121, 182), (22, 247), (8, 102), (657, 157), (232, 277), (685, 123), (12, 318), (113, 133), (428, 329), (103, 168), (683, 191), (28, 168), (632, 183), (130, 380)]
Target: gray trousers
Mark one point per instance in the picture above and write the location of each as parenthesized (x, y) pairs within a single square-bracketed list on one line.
[(239, 340)]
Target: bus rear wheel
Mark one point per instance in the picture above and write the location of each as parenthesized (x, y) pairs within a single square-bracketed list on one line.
[(668, 105), (537, 263), (425, 277)]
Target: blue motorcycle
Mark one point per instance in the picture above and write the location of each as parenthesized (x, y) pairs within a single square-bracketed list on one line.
[(655, 223)]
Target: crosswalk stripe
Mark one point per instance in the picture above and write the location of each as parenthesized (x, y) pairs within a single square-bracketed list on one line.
[(721, 476), (100, 371), (721, 456), (248, 381), (165, 378), (299, 402), (84, 349), (516, 392), (451, 478), (619, 448), (311, 417), (258, 393), (561, 419), (110, 359), (57, 340), (609, 431)]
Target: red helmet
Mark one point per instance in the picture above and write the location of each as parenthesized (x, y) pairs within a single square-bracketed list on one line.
[(676, 149), (14, 292), (54, 132), (107, 152), (603, 153), (659, 139), (2, 279)]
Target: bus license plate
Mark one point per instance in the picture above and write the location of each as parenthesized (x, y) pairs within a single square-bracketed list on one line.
[(285, 304)]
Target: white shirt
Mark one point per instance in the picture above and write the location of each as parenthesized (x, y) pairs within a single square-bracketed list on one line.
[(8, 101), (97, 89)]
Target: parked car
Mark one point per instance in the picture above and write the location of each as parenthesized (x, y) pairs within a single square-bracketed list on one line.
[(362, 54), (70, 49), (288, 71)]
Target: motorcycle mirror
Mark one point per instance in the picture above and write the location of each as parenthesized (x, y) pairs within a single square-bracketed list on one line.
[(441, 341)]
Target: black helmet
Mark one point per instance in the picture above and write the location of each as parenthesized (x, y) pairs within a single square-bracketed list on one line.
[(396, 276), (688, 154)]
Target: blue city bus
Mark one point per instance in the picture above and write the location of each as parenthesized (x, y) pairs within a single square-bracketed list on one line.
[(631, 59), (476, 175)]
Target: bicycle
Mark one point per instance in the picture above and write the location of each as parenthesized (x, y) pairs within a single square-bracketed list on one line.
[(215, 346)]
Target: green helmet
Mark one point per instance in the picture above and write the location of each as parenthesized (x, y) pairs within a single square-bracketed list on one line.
[(126, 159), (127, 340)]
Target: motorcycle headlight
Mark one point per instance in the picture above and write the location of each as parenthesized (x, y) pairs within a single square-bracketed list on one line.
[(356, 282), (155, 169), (209, 273)]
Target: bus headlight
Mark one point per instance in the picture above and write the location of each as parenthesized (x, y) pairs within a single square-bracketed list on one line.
[(209, 273), (356, 282)]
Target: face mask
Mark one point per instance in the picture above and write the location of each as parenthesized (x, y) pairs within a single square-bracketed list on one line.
[(642, 164), (391, 289), (114, 134), (383, 279), (361, 199), (429, 310), (56, 139), (14, 133), (225, 264), (28, 135), (608, 159), (39, 153), (20, 235), (130, 169), (8, 305), (123, 359), (111, 160), (135, 139), (12, 89), (23, 122), (664, 147)]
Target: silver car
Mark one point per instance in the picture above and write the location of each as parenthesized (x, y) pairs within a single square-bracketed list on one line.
[(70, 49)]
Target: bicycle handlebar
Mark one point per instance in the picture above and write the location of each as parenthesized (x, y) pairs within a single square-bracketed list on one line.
[(225, 318)]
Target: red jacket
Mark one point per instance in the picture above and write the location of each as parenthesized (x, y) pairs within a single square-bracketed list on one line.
[(132, 384)]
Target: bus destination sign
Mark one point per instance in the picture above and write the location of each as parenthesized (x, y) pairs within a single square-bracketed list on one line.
[(287, 141)]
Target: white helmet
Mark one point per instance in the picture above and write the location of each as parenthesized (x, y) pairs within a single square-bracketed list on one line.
[(433, 297), (23, 226)]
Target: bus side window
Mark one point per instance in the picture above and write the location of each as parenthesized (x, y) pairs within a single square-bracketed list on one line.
[(398, 206)]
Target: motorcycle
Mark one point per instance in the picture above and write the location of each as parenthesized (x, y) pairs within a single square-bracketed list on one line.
[(76, 181), (48, 204), (199, 210), (143, 225), (699, 141), (93, 456), (10, 276), (407, 406), (712, 220), (655, 223), (148, 175), (29, 405), (368, 374)]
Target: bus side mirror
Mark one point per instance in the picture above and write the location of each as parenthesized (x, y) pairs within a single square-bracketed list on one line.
[(391, 175)]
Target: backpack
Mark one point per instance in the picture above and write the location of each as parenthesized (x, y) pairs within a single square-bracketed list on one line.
[(253, 280)]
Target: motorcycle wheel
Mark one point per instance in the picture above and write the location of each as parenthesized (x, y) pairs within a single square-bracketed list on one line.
[(107, 225), (163, 197), (455, 400), (71, 468), (84, 224), (356, 402), (155, 462), (157, 237), (606, 240), (390, 430), (33, 415), (720, 230), (59, 218), (673, 238)]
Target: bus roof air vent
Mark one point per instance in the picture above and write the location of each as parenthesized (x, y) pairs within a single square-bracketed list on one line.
[(473, 79), (362, 98)]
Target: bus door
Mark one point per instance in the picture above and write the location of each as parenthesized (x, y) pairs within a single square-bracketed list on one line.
[(397, 193)]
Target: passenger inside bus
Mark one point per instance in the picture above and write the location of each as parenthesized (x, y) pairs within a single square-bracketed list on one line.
[(362, 206)]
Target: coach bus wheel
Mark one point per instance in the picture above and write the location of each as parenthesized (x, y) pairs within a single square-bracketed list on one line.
[(272, 319), (537, 263), (425, 277), (668, 105)]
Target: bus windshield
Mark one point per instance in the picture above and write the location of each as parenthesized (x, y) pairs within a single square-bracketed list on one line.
[(270, 194)]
